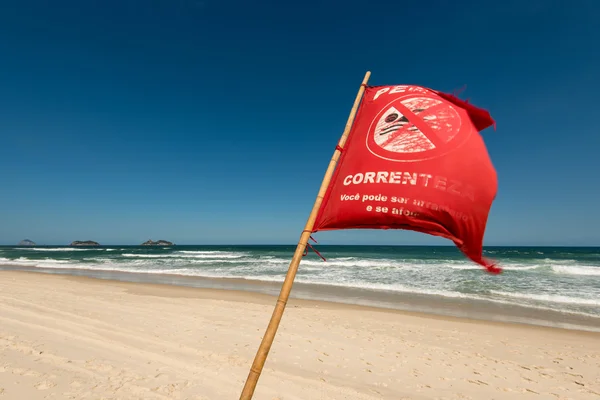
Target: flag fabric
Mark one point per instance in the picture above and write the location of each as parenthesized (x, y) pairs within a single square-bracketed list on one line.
[(414, 160)]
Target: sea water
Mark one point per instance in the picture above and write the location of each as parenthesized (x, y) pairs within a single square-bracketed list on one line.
[(539, 284)]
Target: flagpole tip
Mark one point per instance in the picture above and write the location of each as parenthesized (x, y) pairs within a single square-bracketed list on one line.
[(366, 78)]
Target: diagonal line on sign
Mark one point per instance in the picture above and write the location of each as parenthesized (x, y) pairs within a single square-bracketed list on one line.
[(420, 123)]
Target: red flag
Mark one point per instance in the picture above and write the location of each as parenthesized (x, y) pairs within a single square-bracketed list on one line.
[(414, 160)]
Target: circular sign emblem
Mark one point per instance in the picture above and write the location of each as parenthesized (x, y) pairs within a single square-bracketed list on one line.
[(416, 127)]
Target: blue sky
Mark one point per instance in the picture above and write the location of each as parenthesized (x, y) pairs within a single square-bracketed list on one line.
[(117, 117)]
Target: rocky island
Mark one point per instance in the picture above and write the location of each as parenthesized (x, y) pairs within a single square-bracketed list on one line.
[(26, 242), (157, 243), (85, 243)]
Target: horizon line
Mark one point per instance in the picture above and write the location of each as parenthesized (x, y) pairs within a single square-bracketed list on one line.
[(292, 244)]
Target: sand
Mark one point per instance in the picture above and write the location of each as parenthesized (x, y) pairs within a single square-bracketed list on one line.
[(67, 337)]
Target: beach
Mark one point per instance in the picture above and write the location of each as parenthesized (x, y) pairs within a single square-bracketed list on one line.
[(67, 337)]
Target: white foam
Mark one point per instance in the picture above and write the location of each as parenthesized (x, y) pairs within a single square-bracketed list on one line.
[(550, 261), (550, 298), (25, 262), (520, 267), (582, 270), (506, 267), (464, 267), (206, 255), (203, 252)]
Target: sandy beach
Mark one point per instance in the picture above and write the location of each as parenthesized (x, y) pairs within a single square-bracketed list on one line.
[(65, 337)]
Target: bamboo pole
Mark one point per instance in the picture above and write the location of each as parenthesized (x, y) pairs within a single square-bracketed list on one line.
[(267, 341)]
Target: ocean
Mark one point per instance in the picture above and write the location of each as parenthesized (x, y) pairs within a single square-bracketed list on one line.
[(551, 286)]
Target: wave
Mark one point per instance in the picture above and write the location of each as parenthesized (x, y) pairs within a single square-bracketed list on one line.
[(22, 261), (197, 255), (551, 298), (506, 267), (202, 252), (582, 270)]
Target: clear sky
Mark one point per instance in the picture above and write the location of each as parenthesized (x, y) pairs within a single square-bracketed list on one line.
[(117, 117)]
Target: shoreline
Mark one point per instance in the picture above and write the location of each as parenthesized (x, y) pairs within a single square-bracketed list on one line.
[(413, 303)]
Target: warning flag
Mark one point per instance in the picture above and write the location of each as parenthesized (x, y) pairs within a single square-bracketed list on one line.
[(414, 160)]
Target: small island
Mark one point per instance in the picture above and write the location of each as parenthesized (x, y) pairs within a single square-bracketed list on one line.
[(157, 243), (85, 243), (26, 242)]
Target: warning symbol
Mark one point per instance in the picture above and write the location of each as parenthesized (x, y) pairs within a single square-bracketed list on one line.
[(416, 128)]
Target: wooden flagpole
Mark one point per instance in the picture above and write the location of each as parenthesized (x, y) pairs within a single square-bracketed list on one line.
[(267, 341)]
